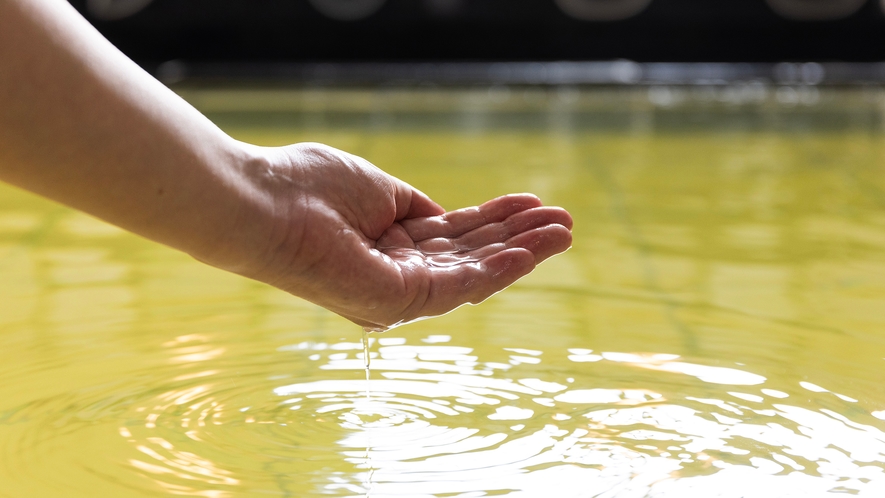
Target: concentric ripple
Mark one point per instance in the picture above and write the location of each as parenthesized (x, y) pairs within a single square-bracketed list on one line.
[(439, 420)]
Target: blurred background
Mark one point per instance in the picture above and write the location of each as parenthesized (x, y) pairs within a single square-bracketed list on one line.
[(537, 41)]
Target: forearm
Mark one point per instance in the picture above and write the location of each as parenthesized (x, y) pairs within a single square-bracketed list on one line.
[(82, 124)]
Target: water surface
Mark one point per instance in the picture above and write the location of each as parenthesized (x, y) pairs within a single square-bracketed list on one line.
[(717, 329)]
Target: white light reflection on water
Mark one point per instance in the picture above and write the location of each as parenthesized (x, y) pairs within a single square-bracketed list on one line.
[(585, 436), (447, 420)]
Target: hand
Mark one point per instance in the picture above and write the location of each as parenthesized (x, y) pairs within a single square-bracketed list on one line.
[(94, 131), (371, 248)]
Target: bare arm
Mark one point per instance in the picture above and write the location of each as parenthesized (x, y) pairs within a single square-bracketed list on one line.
[(85, 126)]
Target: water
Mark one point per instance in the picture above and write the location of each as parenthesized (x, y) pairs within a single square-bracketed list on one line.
[(717, 329)]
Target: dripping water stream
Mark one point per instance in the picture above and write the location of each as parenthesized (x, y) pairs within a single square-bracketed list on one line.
[(368, 362)]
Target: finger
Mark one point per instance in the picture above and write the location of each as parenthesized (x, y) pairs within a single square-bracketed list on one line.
[(456, 223), (412, 203), (451, 287), (494, 233), (543, 242)]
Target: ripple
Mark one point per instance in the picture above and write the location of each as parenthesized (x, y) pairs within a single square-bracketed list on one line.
[(444, 420)]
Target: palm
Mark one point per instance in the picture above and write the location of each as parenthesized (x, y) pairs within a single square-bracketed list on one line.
[(386, 254)]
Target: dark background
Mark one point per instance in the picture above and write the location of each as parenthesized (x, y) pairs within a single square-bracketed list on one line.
[(296, 31)]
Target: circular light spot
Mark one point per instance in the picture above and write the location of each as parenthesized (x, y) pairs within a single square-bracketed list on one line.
[(113, 10), (347, 10), (602, 10), (815, 10)]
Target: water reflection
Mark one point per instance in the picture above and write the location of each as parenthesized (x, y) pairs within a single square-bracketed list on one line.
[(679, 441), (443, 421)]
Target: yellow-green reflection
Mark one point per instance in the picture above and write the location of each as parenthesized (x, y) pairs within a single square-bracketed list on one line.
[(717, 330)]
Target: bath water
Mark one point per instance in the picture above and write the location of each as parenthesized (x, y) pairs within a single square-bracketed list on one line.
[(717, 330)]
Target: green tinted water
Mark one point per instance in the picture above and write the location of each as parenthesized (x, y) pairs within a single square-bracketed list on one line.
[(718, 328)]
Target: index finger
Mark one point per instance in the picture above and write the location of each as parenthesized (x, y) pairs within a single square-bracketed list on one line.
[(461, 221)]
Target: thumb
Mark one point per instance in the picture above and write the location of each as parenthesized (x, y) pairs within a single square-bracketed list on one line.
[(412, 203)]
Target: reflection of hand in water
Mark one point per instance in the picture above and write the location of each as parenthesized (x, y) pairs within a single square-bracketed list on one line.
[(378, 252)]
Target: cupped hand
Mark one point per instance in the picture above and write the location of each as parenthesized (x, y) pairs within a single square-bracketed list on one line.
[(371, 248)]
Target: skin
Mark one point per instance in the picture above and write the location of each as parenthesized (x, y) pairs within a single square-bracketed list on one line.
[(85, 126)]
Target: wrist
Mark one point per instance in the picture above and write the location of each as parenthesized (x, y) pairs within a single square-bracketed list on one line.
[(255, 223)]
